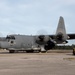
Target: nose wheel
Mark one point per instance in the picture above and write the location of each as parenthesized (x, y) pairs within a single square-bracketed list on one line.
[(11, 51), (42, 49)]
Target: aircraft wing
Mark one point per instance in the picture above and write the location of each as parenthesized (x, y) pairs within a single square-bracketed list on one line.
[(51, 36), (71, 36)]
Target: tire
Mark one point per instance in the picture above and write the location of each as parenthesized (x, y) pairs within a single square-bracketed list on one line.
[(30, 51), (43, 51), (11, 51)]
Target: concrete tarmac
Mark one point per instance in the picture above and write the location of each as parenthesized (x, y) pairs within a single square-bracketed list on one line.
[(37, 64)]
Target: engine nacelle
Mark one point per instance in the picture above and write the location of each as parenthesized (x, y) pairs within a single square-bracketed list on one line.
[(50, 44), (45, 41), (59, 36), (42, 39)]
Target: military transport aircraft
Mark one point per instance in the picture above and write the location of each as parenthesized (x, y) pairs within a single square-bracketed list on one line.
[(39, 43)]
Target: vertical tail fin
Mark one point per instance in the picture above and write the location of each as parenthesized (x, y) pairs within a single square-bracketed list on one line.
[(61, 28)]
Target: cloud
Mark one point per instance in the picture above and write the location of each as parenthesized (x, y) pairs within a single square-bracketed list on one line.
[(29, 16)]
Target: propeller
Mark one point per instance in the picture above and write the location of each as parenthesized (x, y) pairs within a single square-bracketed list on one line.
[(59, 36), (2, 38), (44, 41), (42, 37), (1, 35)]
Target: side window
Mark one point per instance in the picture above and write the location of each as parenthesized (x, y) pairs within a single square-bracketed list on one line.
[(11, 42)]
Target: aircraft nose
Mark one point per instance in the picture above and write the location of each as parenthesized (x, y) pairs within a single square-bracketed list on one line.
[(3, 44), (0, 45)]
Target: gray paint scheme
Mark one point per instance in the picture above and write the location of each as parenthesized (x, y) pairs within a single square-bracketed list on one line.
[(27, 42), (61, 28), (21, 41)]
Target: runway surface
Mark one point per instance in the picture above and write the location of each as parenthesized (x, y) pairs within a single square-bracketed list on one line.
[(37, 64)]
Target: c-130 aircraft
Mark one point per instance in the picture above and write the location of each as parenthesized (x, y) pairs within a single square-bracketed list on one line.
[(40, 43)]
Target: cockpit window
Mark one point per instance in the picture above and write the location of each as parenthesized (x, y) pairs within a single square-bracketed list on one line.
[(10, 37)]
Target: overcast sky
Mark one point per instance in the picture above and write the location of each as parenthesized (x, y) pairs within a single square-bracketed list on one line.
[(33, 16)]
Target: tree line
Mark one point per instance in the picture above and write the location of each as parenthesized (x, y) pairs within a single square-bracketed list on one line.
[(64, 47)]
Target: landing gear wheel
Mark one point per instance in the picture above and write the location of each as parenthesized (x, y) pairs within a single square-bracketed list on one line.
[(43, 51), (30, 51), (11, 51)]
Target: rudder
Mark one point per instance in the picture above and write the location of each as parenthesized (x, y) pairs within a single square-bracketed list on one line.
[(61, 28)]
